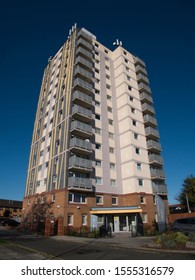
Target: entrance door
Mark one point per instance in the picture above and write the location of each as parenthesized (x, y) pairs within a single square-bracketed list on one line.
[(116, 224)]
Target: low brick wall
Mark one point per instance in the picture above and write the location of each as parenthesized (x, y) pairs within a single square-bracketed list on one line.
[(172, 217)]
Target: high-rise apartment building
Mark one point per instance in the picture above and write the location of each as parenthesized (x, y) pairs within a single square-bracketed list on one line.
[(95, 152)]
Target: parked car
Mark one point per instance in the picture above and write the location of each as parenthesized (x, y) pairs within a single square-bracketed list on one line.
[(185, 225), (10, 222)]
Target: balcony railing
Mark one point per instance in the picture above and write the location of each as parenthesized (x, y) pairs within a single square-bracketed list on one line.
[(159, 188), (84, 85), (81, 113), (141, 77), (150, 120), (77, 163), (84, 62), (84, 43), (146, 108), (83, 72), (139, 61), (142, 87), (152, 133), (140, 69), (85, 53), (77, 183), (157, 173), (153, 158), (145, 97), (81, 129), (82, 99), (153, 145), (77, 144)]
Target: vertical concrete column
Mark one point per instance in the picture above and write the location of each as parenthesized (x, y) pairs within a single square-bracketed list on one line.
[(60, 225)]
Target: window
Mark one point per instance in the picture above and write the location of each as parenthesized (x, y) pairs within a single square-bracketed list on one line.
[(129, 88), (97, 81), (40, 167), (98, 181), (97, 117), (100, 219), (111, 150), (53, 197), (109, 97), (46, 164), (97, 103), (139, 166), (134, 123), (99, 199), (131, 98), (113, 183), (137, 151), (106, 51), (107, 68), (97, 130), (55, 160), (77, 198), (142, 199), (110, 135), (41, 153), (136, 136), (112, 166), (57, 143), (109, 109), (43, 199), (140, 182), (97, 92), (132, 110), (97, 71), (108, 86), (114, 200), (108, 77), (96, 53), (98, 163), (98, 146), (110, 122), (70, 219), (38, 183), (144, 218), (125, 53), (84, 219), (128, 78), (54, 178), (45, 182)]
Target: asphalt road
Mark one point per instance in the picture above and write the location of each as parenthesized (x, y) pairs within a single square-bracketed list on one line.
[(33, 247)]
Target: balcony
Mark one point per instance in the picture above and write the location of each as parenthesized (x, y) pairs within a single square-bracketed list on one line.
[(84, 86), (81, 113), (140, 69), (150, 121), (159, 188), (146, 108), (84, 53), (82, 99), (144, 88), (80, 146), (79, 71), (77, 183), (139, 61), (85, 63), (84, 44), (154, 146), (144, 97), (152, 133), (155, 159), (142, 78), (81, 129), (157, 174), (85, 35), (80, 164)]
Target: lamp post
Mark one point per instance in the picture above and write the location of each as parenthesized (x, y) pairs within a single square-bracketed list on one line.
[(189, 211)]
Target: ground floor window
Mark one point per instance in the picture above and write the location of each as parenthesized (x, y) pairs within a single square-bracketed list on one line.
[(70, 219)]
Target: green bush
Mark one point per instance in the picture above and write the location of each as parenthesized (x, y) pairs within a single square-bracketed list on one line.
[(172, 239)]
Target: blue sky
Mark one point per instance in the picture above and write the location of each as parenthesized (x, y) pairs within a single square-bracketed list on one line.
[(161, 33)]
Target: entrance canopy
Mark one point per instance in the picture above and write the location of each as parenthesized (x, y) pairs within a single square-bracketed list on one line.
[(115, 210)]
